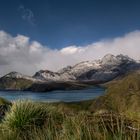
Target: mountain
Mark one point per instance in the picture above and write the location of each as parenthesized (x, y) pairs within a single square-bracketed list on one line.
[(98, 71), (72, 77), (16, 81)]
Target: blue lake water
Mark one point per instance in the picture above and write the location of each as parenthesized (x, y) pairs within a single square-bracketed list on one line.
[(55, 96)]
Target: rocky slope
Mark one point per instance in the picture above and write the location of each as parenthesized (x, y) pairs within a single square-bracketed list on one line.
[(72, 77)]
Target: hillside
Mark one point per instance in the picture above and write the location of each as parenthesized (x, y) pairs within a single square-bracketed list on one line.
[(15, 81), (122, 95)]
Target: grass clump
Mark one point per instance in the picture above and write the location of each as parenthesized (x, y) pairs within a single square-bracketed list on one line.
[(25, 116)]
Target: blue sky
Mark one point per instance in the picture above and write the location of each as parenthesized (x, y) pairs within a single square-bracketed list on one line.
[(60, 23), (51, 34)]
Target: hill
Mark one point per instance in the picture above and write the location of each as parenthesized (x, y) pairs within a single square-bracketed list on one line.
[(122, 95)]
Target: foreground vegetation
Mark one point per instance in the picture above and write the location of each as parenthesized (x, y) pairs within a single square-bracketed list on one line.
[(114, 116), (27, 120)]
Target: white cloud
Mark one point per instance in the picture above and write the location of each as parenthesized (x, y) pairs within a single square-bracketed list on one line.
[(25, 56), (27, 14), (72, 50)]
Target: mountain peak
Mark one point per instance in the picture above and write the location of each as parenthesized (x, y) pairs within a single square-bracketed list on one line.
[(18, 75), (14, 74), (109, 59), (46, 75), (109, 55)]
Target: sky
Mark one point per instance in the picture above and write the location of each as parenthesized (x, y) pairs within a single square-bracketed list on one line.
[(51, 34)]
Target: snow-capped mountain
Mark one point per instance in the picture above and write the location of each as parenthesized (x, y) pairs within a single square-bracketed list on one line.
[(102, 70), (67, 74), (47, 75), (87, 72), (18, 75), (17, 81)]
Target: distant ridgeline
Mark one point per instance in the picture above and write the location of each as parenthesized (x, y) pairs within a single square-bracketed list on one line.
[(72, 77)]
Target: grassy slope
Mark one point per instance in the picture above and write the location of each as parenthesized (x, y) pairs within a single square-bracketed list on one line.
[(122, 95), (18, 84)]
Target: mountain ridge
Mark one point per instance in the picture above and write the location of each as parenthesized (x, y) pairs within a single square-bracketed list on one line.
[(86, 72), (109, 65)]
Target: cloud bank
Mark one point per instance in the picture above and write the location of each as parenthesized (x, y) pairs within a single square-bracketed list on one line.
[(23, 55)]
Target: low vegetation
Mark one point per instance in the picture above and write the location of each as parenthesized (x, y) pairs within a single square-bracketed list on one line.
[(27, 120), (114, 116)]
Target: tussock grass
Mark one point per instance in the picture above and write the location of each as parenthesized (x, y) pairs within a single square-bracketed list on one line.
[(27, 120), (25, 116)]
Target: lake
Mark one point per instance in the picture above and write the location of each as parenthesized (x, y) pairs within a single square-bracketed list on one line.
[(55, 96)]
